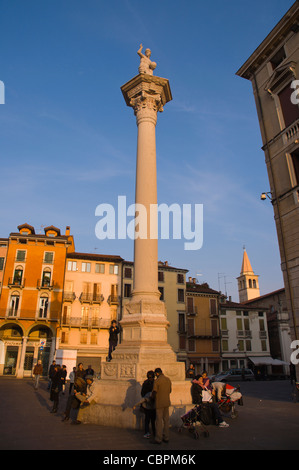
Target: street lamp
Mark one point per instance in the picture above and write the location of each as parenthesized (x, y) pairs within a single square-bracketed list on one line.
[(264, 196)]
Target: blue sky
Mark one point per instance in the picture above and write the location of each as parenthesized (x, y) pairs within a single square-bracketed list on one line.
[(68, 140)]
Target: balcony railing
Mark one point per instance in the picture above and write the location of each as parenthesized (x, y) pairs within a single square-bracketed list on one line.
[(244, 333), (192, 311), (85, 322), (45, 284), (69, 296), (16, 282), (30, 314), (91, 298), (113, 299)]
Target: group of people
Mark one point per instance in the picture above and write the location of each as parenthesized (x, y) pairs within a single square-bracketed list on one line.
[(80, 381), (211, 393), (155, 402)]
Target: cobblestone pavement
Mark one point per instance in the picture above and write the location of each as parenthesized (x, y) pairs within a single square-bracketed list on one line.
[(269, 420)]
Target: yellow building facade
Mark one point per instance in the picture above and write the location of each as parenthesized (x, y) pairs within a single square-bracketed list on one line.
[(200, 330), (172, 286), (91, 300)]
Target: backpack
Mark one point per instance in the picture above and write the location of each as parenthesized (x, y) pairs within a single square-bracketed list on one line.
[(206, 415)]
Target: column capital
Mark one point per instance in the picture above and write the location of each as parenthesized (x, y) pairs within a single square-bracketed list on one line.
[(147, 91)]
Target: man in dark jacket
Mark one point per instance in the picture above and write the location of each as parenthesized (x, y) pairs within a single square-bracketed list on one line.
[(149, 408), (113, 338)]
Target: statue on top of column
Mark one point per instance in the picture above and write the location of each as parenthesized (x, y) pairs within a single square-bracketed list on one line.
[(146, 65)]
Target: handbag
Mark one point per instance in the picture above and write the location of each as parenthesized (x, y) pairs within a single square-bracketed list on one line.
[(206, 396)]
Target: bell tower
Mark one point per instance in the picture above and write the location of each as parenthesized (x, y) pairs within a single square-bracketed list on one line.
[(248, 283)]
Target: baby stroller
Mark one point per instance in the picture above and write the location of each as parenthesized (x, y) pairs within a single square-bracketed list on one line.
[(227, 403), (199, 415)]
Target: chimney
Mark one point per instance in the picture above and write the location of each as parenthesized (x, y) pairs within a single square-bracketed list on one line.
[(194, 280), (190, 279), (67, 231)]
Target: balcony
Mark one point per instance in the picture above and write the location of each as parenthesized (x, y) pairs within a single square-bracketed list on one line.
[(263, 335), (91, 298), (244, 334), (16, 282), (291, 134), (113, 300), (69, 296), (45, 284), (85, 322), (192, 311)]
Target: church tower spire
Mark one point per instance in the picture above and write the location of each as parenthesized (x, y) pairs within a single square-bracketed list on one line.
[(248, 283)]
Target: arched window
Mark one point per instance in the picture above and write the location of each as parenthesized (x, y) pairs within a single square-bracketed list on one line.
[(46, 279), (43, 306), (250, 283), (14, 304), (18, 276), (254, 283)]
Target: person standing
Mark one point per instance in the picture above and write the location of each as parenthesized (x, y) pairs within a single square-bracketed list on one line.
[(113, 338), (56, 387), (63, 378), (72, 379), (37, 372), (149, 406), (51, 373), (161, 393)]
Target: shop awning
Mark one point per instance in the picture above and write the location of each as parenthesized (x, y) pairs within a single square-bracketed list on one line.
[(267, 361)]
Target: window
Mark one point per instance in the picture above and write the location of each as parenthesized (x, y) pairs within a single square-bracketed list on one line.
[(18, 275), (182, 325), (46, 280), (180, 279), (113, 269), (65, 337), (127, 290), (248, 345), (213, 307), (85, 267), (43, 307), (48, 257), (83, 337), (290, 111), (181, 295), (278, 58), (72, 265), (97, 287), (191, 345), (295, 161), (264, 345), (160, 276), (128, 273), (21, 255), (161, 289), (262, 325), (223, 323), (94, 337), (182, 342), (100, 268), (225, 345), (14, 305), (1, 263)]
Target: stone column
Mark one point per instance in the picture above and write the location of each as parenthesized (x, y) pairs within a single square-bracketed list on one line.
[(20, 365), (144, 319), (144, 343)]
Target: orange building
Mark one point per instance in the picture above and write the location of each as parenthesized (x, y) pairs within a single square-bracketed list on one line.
[(31, 298)]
